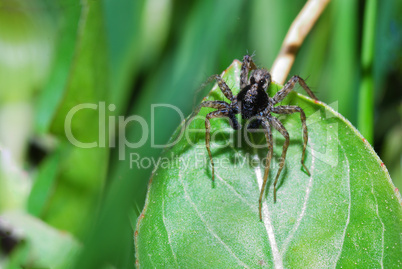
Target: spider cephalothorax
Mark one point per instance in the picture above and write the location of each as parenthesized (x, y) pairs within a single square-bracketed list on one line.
[(252, 98), (254, 103)]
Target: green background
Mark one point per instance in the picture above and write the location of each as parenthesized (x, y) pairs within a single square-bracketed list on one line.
[(55, 55)]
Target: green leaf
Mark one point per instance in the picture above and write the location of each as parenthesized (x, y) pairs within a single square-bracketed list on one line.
[(44, 183), (52, 93), (48, 247), (15, 183), (346, 214), (70, 203)]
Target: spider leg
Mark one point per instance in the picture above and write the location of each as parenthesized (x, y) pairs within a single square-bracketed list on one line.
[(224, 88), (246, 66), (214, 114), (211, 104), (224, 110), (268, 137), (218, 105), (279, 126), (290, 110), (279, 96)]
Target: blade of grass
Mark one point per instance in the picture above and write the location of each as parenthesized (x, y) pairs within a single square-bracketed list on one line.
[(366, 91), (342, 72), (43, 185), (82, 171), (52, 93)]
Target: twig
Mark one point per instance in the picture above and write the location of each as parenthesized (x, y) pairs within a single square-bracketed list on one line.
[(298, 31)]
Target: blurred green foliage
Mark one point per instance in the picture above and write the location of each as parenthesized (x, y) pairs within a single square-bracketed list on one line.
[(55, 55)]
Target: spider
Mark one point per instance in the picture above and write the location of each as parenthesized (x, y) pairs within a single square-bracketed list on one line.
[(253, 102)]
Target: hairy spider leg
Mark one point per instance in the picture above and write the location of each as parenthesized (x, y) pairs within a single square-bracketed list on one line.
[(294, 109), (221, 83), (216, 104), (246, 66), (279, 126), (214, 114), (211, 104), (224, 110), (224, 88), (279, 96), (268, 137)]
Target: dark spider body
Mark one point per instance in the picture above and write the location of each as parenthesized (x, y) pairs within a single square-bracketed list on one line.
[(253, 99), (255, 105)]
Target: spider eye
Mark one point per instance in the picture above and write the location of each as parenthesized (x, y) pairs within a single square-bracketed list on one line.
[(261, 81)]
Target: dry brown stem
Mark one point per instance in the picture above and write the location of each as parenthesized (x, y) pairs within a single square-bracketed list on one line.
[(298, 31)]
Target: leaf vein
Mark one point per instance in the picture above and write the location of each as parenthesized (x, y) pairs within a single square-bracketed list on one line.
[(303, 211), (167, 230), (379, 218), (278, 262), (211, 231), (235, 192), (349, 205)]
